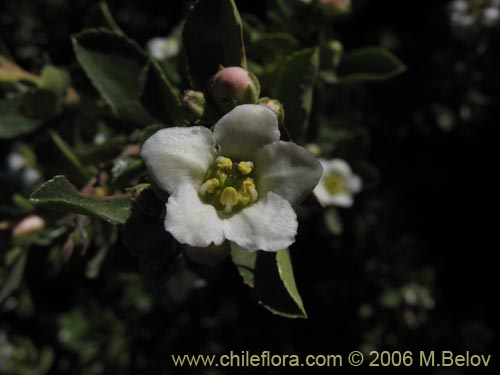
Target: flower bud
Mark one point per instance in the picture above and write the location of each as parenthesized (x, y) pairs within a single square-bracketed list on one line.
[(335, 7), (27, 229), (193, 105), (275, 106), (335, 50), (234, 86)]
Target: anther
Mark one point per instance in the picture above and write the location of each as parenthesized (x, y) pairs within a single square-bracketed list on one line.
[(229, 199), (249, 190), (245, 167), (209, 186), (223, 162)]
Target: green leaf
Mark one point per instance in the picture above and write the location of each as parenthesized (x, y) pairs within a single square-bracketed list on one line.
[(60, 195), (271, 276), (245, 262), (294, 88), (212, 36), (369, 64), (285, 271), (116, 66), (68, 161), (160, 98), (282, 43), (94, 154), (15, 276), (13, 123), (128, 79)]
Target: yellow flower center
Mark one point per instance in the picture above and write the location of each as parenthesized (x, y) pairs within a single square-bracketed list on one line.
[(228, 185), (334, 183)]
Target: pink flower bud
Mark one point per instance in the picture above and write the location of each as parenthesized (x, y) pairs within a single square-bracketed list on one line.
[(234, 86), (27, 228)]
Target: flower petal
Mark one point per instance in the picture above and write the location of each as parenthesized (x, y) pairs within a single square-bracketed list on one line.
[(191, 221), (336, 165), (246, 128), (323, 196), (270, 225), (354, 183), (342, 200), (177, 155), (286, 169)]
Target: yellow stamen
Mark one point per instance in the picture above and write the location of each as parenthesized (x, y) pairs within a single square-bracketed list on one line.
[(245, 167), (209, 186), (334, 183), (229, 199), (249, 190), (221, 176), (223, 162)]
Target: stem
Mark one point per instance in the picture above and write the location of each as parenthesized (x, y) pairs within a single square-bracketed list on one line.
[(109, 18)]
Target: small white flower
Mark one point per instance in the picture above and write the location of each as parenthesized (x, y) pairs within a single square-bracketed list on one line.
[(164, 48), (337, 184), (15, 162), (460, 15), (491, 15), (459, 6), (238, 183), (464, 14), (30, 177)]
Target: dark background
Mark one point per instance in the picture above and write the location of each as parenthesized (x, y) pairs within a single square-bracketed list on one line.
[(432, 220)]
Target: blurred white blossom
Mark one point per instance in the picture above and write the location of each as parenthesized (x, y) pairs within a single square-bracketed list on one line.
[(163, 48), (15, 162), (465, 14), (337, 184), (17, 165), (491, 14)]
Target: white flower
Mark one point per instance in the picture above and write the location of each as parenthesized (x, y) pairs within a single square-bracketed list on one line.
[(337, 184), (238, 183), (30, 176), (464, 14), (15, 162), (164, 48), (491, 15), (460, 14), (459, 6)]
